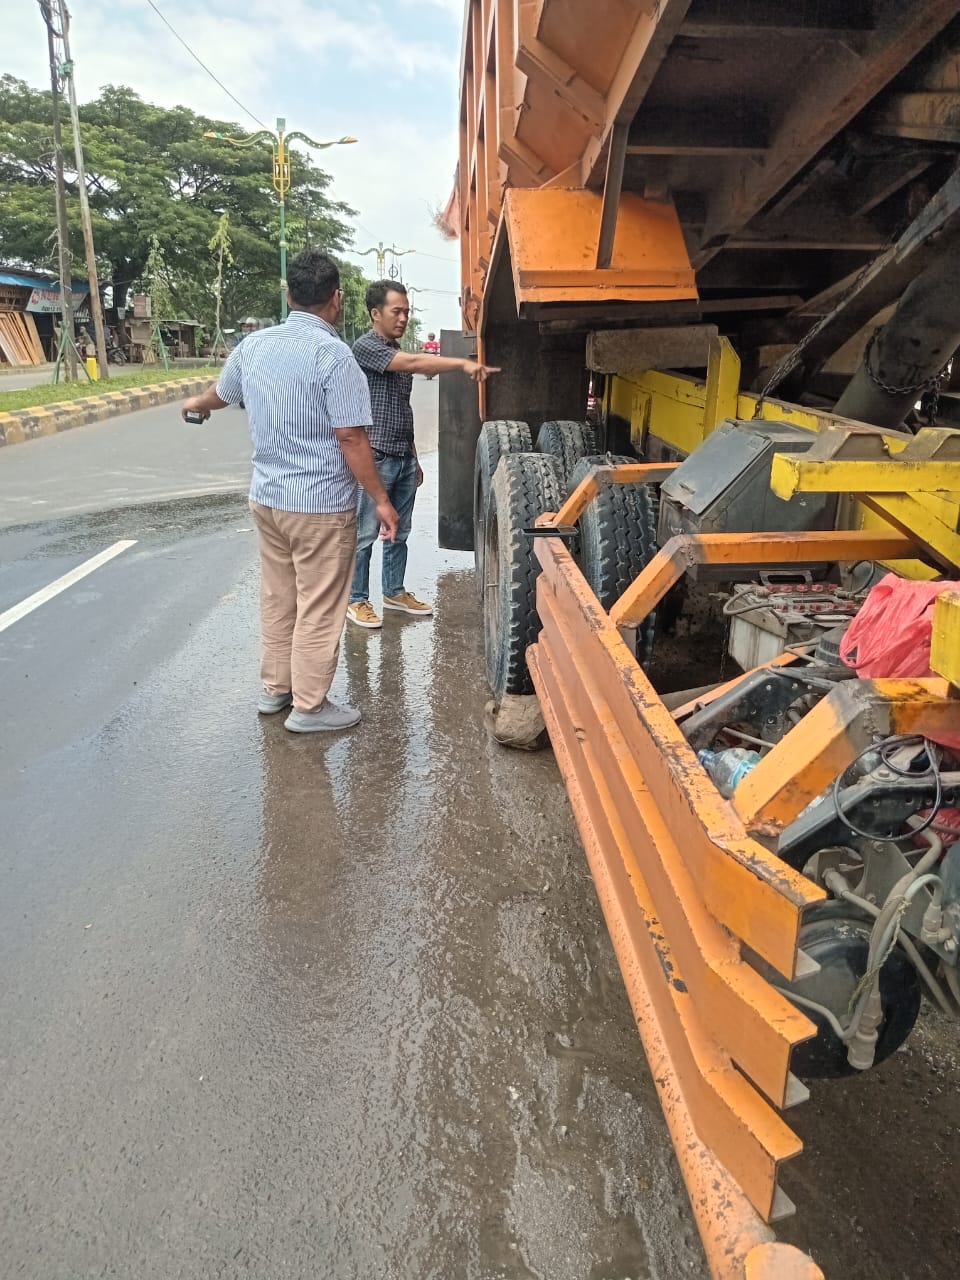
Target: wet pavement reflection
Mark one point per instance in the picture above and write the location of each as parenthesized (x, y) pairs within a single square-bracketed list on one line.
[(275, 1006), (441, 924), (278, 1006)]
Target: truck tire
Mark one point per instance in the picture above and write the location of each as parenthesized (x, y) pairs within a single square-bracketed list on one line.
[(524, 487), (568, 442), (495, 440), (618, 539)]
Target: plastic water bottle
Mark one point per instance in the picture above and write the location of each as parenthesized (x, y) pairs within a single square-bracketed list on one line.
[(728, 768)]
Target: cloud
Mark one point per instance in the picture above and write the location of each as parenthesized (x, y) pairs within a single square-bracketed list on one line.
[(393, 179), (455, 9)]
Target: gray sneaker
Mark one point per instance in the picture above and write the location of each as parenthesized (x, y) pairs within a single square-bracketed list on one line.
[(268, 704), (328, 719)]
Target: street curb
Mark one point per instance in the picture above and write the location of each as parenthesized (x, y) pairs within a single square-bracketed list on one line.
[(21, 425)]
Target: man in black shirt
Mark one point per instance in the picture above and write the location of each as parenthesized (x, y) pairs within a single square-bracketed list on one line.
[(390, 375)]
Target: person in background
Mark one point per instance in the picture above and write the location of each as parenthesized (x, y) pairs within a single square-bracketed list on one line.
[(430, 347), (249, 326), (390, 375), (308, 406)]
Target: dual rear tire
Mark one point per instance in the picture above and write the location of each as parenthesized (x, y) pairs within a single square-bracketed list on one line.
[(513, 487), (496, 440)]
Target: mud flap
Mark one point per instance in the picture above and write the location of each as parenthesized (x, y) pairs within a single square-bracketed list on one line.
[(459, 427)]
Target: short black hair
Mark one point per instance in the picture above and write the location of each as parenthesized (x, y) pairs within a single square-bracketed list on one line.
[(312, 278), (377, 293)]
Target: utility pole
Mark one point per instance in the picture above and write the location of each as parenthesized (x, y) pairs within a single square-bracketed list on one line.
[(96, 312), (67, 343)]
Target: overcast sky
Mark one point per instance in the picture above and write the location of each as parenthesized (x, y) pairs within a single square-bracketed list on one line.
[(385, 72)]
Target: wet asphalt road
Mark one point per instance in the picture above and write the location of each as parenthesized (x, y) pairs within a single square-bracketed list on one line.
[(279, 1007)]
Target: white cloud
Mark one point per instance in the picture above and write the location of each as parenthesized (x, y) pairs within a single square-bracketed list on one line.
[(455, 8), (394, 178)]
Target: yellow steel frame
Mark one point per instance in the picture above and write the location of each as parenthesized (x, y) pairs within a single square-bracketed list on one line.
[(895, 483), (945, 650), (679, 412)]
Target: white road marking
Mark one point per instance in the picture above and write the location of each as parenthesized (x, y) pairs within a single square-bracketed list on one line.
[(40, 597)]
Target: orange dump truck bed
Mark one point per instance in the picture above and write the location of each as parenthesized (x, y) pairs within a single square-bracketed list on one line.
[(735, 158)]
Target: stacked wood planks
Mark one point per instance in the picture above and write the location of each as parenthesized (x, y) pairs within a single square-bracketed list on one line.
[(19, 340)]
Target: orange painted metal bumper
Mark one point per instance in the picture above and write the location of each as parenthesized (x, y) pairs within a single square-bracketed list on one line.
[(687, 888)]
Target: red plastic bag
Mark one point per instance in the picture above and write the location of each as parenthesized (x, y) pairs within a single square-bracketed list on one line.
[(890, 637)]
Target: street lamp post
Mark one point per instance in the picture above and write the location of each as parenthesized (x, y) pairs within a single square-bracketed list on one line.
[(381, 250), (279, 140)]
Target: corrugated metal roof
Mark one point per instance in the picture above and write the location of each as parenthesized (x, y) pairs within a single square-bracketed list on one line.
[(34, 280)]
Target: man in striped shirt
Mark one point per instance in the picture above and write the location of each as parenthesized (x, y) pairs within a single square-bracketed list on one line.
[(309, 409)]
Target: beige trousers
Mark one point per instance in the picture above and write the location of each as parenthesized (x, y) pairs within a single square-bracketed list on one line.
[(306, 568)]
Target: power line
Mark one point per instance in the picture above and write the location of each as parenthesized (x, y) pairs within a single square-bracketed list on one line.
[(201, 63), (436, 257)]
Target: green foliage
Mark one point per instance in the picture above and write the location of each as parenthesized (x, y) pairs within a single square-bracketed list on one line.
[(411, 339), (151, 174), (31, 397), (354, 319), (156, 281)]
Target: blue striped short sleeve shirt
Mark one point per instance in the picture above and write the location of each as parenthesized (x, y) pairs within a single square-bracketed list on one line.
[(300, 384)]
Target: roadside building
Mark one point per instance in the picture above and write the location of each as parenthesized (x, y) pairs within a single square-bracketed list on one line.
[(30, 314)]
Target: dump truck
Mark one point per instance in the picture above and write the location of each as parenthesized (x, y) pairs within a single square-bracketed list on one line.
[(714, 247)]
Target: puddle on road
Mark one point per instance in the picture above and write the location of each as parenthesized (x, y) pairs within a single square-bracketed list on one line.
[(152, 522), (383, 954), (486, 1094)]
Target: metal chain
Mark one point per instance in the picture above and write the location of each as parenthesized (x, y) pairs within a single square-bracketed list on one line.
[(780, 373), (928, 384)]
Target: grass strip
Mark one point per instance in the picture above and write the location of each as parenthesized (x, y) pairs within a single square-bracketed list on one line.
[(63, 392)]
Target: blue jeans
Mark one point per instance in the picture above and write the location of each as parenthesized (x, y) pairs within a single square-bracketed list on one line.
[(399, 476)]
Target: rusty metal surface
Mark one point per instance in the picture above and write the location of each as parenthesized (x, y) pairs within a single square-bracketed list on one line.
[(680, 881), (705, 699)]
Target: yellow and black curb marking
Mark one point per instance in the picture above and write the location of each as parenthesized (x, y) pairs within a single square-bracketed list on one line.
[(46, 420)]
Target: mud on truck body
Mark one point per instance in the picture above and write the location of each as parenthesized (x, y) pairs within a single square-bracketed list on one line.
[(733, 228)]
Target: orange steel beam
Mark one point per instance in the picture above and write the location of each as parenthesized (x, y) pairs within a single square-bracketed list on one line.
[(738, 1243), (682, 552), (670, 861), (828, 739), (737, 1010), (751, 892), (597, 477)]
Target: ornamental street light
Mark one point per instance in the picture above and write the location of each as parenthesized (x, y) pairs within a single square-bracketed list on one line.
[(279, 140), (381, 250)]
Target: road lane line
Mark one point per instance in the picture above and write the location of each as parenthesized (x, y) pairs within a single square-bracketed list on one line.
[(40, 597)]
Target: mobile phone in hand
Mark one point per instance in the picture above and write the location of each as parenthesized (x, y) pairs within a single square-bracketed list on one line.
[(195, 417)]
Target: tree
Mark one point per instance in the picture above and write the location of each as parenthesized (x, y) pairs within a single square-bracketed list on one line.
[(220, 246), (151, 173)]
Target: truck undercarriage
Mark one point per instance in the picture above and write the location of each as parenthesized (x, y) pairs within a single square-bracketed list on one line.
[(660, 214)]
